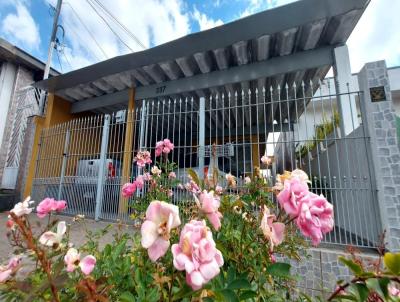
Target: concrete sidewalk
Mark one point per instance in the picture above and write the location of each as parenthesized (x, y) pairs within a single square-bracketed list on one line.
[(77, 231)]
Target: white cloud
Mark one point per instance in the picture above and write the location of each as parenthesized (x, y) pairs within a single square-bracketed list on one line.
[(204, 21), (158, 21), (153, 21), (376, 36), (20, 27), (255, 6)]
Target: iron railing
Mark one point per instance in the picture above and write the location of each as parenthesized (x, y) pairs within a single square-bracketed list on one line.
[(295, 127)]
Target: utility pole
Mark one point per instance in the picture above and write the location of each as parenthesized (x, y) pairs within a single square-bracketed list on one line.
[(50, 52)]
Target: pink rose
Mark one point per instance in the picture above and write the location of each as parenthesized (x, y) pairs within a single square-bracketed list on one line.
[(219, 190), (192, 187), (146, 176), (209, 204), (161, 217), (172, 175), (273, 231), (73, 260), (9, 224), (156, 171), (142, 158), (61, 205), (266, 160), (197, 254), (289, 198), (139, 182), (23, 208), (11, 268), (48, 205), (315, 217), (165, 146), (128, 189), (231, 180), (159, 148), (394, 291)]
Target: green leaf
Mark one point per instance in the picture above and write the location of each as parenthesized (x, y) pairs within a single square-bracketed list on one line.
[(392, 262), (378, 286), (153, 295), (354, 267), (194, 176), (279, 269), (362, 290), (248, 294), (239, 284), (231, 274), (367, 275), (184, 292), (107, 250), (229, 295), (345, 297), (118, 250), (127, 297)]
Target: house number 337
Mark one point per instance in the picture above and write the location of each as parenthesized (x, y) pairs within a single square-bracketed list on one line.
[(160, 89)]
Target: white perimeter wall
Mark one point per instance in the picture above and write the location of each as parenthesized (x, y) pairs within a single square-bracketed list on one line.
[(7, 79)]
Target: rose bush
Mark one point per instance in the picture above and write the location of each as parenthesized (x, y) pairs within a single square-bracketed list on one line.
[(213, 243)]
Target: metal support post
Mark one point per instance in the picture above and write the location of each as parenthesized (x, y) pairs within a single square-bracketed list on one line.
[(344, 85), (64, 163), (142, 123), (102, 166), (202, 129)]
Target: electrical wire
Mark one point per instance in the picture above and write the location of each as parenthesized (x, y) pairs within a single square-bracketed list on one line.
[(68, 25), (87, 29), (108, 25), (66, 59), (127, 31), (59, 61)]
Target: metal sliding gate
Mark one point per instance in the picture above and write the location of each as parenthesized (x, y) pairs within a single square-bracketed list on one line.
[(85, 161)]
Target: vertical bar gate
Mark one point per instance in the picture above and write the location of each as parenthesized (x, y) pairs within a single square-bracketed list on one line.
[(291, 126)]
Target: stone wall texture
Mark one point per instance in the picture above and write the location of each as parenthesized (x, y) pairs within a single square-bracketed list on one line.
[(321, 269), (380, 119)]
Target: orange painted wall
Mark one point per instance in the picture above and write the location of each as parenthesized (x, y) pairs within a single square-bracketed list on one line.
[(57, 112)]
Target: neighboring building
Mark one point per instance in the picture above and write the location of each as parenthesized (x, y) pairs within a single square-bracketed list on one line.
[(251, 87), (320, 109), (18, 101)]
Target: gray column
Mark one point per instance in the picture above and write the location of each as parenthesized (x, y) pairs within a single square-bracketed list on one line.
[(202, 129), (344, 84), (102, 167), (379, 119)]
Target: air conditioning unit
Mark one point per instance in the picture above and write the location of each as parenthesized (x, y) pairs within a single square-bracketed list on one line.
[(120, 116)]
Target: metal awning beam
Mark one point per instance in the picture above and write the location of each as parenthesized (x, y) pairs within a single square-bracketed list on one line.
[(268, 22), (264, 69)]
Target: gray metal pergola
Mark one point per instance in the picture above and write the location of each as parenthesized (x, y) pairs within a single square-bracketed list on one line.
[(289, 44)]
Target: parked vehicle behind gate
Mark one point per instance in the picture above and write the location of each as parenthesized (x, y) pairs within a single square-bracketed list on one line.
[(87, 173)]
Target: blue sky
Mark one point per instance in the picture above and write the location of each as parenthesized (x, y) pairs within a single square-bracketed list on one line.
[(27, 24)]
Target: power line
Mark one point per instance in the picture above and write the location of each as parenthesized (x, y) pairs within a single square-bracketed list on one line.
[(87, 29), (80, 37), (59, 61), (108, 25), (128, 32), (66, 59)]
